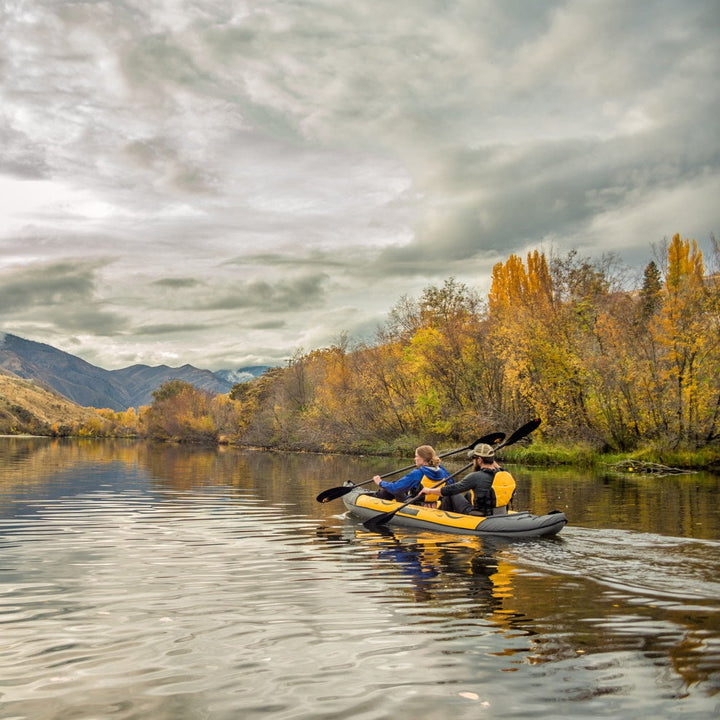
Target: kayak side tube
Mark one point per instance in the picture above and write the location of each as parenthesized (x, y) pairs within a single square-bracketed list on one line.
[(514, 524)]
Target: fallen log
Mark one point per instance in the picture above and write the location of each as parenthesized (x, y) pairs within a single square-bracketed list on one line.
[(643, 467)]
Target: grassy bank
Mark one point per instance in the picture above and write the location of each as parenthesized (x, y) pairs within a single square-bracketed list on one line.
[(541, 453)]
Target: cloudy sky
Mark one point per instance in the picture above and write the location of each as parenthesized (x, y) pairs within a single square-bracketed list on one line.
[(226, 182)]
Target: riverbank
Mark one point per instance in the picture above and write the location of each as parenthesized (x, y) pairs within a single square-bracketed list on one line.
[(542, 453)]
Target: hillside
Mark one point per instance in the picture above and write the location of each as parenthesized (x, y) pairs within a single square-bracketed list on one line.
[(91, 386), (28, 408), (74, 378)]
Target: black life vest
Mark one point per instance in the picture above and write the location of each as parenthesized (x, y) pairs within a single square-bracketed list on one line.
[(484, 496)]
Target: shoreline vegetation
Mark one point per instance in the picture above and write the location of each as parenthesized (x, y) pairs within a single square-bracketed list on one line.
[(617, 370), (642, 461)]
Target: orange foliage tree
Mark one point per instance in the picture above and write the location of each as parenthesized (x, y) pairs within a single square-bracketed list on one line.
[(541, 321), (181, 412)]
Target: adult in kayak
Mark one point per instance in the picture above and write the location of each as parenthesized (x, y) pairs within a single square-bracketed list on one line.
[(428, 470), (479, 480)]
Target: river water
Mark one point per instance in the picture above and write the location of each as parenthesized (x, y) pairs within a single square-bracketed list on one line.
[(170, 583)]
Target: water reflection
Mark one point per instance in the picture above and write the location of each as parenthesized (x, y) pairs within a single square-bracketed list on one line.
[(677, 505), (562, 617), (164, 581)]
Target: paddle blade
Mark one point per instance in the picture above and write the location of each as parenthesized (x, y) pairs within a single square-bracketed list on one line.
[(333, 493), (381, 529), (521, 432), (379, 521)]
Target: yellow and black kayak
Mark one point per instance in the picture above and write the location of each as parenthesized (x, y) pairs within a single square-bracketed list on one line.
[(512, 525)]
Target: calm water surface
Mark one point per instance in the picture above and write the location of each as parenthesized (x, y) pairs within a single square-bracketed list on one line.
[(141, 581)]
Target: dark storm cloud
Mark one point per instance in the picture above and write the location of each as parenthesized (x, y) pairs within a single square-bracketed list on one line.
[(61, 296), (271, 297), (177, 283), (47, 285), (505, 199)]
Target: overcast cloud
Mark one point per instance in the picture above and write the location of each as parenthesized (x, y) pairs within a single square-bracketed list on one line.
[(225, 183)]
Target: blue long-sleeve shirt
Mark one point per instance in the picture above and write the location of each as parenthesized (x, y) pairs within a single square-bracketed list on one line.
[(414, 479)]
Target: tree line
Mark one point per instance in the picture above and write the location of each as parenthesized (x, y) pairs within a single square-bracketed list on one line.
[(603, 359)]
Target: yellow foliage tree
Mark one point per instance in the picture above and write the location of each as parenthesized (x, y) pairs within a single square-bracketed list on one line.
[(683, 330)]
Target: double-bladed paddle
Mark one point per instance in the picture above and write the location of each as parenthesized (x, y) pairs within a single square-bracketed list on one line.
[(520, 433), (336, 492)]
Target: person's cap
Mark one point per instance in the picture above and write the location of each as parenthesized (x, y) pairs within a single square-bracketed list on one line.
[(482, 451)]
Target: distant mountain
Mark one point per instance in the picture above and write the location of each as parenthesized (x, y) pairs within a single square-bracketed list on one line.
[(139, 381), (243, 374), (72, 377), (91, 386)]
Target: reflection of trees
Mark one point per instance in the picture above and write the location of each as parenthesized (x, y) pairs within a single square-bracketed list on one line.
[(29, 461), (678, 505), (545, 615), (476, 584), (277, 477), (630, 502)]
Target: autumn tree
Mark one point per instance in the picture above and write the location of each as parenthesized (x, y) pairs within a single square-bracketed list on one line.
[(435, 365), (651, 292), (260, 401), (181, 412), (684, 329), (535, 341), (449, 350)]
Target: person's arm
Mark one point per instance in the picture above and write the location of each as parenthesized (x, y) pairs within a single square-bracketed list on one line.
[(403, 483), (451, 488), (459, 487)]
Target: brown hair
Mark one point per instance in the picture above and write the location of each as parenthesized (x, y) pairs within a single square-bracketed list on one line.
[(427, 453)]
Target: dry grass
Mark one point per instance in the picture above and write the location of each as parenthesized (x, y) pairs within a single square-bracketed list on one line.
[(27, 407)]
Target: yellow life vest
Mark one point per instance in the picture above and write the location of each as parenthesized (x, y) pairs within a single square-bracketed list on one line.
[(430, 497), (504, 488)]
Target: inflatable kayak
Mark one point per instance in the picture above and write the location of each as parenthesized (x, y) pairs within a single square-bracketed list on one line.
[(512, 525)]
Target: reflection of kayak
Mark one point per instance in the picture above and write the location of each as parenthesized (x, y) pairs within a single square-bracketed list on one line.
[(514, 524)]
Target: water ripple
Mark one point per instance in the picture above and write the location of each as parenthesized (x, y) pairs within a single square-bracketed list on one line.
[(133, 600)]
